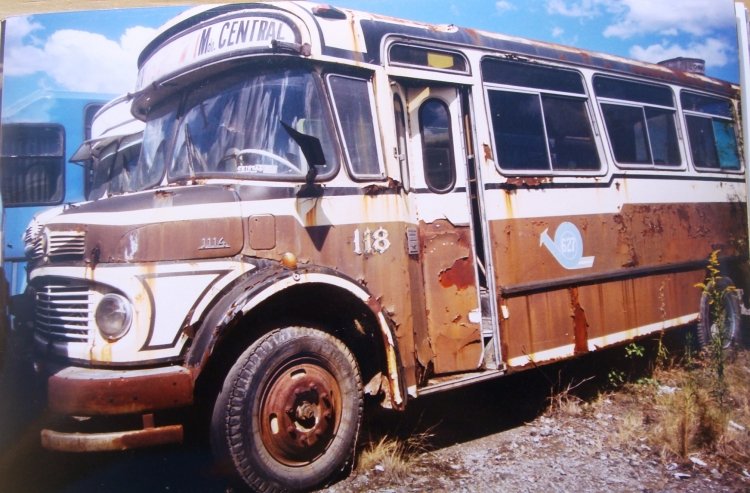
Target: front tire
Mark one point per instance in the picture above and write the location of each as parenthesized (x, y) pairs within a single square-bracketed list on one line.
[(289, 411)]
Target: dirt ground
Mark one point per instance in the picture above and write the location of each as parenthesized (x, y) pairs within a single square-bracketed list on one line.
[(550, 454), (507, 437), (519, 433)]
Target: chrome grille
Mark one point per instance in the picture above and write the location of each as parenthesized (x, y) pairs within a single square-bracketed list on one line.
[(64, 312), (32, 239), (66, 243)]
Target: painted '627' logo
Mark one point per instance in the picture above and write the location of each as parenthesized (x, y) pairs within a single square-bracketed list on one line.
[(567, 247)]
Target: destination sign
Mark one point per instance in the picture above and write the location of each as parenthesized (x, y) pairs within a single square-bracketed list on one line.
[(224, 37)]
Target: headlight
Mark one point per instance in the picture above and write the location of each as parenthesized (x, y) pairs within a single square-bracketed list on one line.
[(113, 316)]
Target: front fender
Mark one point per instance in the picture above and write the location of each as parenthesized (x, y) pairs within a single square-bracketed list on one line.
[(273, 280)]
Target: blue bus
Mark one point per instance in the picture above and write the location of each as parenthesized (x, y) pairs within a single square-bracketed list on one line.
[(39, 135)]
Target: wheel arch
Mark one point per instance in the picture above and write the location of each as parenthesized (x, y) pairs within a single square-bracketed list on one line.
[(312, 296)]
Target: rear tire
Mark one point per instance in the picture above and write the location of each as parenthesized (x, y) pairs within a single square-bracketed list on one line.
[(708, 327), (289, 411)]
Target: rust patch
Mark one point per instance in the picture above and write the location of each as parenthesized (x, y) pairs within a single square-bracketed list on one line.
[(374, 304), (487, 152), (460, 274), (580, 324), (116, 392), (527, 181), (376, 189), (448, 274)]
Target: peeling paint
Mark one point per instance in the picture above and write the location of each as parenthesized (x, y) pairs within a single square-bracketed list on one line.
[(460, 274), (580, 325)]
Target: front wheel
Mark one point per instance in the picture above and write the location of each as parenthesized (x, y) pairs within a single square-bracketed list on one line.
[(289, 411)]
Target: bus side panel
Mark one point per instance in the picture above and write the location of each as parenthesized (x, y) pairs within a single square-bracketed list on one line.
[(645, 262), (645, 301), (560, 323), (640, 236), (376, 260)]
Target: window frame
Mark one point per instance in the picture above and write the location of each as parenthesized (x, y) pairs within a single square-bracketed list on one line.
[(452, 150), (539, 93), (402, 124), (360, 177), (60, 161), (612, 101), (711, 117), (427, 48)]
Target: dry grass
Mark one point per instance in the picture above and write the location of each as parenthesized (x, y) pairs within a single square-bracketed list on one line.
[(392, 457), (565, 402), (682, 415), (630, 428)]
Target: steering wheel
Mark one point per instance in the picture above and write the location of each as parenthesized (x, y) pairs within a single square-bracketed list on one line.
[(238, 153)]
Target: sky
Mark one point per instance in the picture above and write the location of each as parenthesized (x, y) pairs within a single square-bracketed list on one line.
[(97, 51)]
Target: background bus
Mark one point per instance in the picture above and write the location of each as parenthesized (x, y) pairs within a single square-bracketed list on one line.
[(39, 135)]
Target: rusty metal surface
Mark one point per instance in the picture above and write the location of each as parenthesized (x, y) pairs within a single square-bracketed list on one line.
[(262, 232), (603, 300), (639, 236), (386, 274), (450, 294), (619, 306), (301, 413), (104, 442), (89, 392)]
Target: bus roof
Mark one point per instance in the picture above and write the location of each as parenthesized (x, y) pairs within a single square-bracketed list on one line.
[(46, 105), (358, 36)]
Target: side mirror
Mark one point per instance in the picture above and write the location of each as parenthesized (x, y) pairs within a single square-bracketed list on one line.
[(311, 149)]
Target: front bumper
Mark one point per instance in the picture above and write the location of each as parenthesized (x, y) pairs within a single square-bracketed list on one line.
[(94, 393)]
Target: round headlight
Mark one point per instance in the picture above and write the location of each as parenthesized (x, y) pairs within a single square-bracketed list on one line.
[(113, 316)]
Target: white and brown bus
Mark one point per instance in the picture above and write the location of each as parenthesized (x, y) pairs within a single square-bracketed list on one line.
[(331, 204)]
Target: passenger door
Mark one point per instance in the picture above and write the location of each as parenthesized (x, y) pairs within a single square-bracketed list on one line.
[(437, 179)]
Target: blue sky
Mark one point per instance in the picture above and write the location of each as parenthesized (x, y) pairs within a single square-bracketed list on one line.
[(96, 51)]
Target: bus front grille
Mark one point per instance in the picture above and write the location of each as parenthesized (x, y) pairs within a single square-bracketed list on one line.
[(64, 313), (66, 243), (56, 244)]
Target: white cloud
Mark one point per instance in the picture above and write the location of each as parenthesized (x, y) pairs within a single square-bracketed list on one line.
[(76, 60), (502, 6), (669, 17), (715, 52), (557, 32), (662, 17), (581, 8), (18, 28)]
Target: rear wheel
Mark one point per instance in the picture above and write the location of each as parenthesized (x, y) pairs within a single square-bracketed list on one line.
[(289, 411), (710, 327)]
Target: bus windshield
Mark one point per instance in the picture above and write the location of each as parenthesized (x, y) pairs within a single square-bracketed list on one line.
[(238, 125)]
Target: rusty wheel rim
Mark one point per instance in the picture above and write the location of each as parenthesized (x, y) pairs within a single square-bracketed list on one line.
[(299, 413)]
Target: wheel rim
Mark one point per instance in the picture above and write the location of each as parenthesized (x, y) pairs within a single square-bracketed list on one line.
[(299, 413)]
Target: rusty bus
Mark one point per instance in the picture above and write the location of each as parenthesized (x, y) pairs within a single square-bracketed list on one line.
[(331, 204)]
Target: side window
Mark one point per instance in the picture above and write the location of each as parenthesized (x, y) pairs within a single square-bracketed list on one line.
[(401, 153), (640, 121), (353, 103), (711, 132), (33, 163), (88, 118), (437, 146), (539, 118)]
